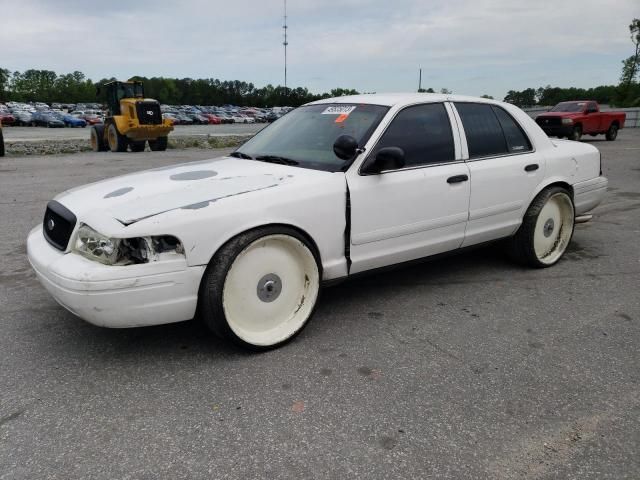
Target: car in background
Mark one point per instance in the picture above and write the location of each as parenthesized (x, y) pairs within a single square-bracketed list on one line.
[(46, 119), (7, 118), (171, 117), (72, 121), (240, 118), (198, 118), (92, 119), (23, 117), (574, 119), (213, 119)]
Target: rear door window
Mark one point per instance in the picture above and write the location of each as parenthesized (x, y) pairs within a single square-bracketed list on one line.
[(483, 130), (517, 141)]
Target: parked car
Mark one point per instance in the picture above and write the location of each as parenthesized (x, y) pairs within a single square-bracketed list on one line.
[(7, 118), (46, 119), (72, 121), (23, 118), (240, 118), (92, 119), (574, 119), (213, 119), (334, 188)]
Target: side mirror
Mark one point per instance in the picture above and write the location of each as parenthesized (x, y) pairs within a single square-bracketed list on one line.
[(387, 158), (345, 147)]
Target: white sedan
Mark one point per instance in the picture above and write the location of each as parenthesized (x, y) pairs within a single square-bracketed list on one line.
[(334, 188)]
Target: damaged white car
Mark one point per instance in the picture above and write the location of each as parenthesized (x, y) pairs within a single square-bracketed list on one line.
[(334, 188)]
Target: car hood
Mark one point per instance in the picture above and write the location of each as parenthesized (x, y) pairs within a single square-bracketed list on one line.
[(135, 197)]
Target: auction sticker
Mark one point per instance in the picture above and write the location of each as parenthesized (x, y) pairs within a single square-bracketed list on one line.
[(339, 110)]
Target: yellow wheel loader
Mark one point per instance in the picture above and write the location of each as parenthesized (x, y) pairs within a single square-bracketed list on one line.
[(131, 122)]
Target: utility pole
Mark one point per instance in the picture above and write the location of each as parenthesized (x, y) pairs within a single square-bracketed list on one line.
[(420, 80), (285, 43)]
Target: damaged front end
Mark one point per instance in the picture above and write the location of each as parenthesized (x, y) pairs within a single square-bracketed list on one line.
[(125, 251)]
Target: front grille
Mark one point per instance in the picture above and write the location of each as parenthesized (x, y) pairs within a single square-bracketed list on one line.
[(58, 224), (148, 113), (549, 121)]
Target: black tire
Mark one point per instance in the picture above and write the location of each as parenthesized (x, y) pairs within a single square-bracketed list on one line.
[(116, 141), (159, 144), (1, 143), (137, 146), (97, 138), (521, 247), (612, 133), (210, 296), (576, 133)]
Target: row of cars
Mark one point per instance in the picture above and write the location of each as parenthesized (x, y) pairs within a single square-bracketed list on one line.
[(212, 115), (81, 115), (41, 115)]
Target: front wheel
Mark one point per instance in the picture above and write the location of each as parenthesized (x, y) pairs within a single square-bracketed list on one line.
[(159, 144), (117, 142), (97, 138), (576, 133), (546, 230), (612, 133), (260, 289)]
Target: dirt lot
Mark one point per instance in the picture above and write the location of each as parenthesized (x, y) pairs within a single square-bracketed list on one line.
[(465, 367)]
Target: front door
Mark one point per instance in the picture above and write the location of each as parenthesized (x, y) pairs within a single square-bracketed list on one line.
[(418, 210)]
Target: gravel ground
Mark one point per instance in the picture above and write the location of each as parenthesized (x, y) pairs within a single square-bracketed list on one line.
[(464, 367), (25, 141)]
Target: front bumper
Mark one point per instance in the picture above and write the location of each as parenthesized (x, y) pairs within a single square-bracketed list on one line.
[(557, 130), (113, 296)]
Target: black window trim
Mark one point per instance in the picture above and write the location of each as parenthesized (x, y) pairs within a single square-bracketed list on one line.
[(463, 133), (452, 122)]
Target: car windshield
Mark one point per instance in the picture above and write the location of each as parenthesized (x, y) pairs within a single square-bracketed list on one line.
[(569, 107), (305, 136)]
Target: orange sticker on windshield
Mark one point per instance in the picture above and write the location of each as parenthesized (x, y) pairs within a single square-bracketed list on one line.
[(342, 117)]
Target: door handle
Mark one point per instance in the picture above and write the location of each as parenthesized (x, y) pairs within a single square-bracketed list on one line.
[(531, 168), (458, 179)]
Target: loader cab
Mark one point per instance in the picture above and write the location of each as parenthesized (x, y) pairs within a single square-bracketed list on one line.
[(116, 91)]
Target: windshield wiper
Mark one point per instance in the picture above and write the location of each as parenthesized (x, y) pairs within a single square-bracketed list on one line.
[(276, 159), (237, 154)]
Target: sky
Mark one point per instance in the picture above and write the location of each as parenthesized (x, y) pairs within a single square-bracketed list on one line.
[(471, 47)]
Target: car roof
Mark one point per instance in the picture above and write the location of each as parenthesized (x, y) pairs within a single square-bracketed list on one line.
[(401, 99)]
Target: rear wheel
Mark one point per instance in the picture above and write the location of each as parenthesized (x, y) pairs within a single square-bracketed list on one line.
[(159, 144), (260, 289), (97, 138), (612, 133), (117, 142), (137, 146), (546, 229), (576, 133)]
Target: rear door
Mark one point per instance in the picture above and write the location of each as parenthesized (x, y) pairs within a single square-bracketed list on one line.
[(504, 167), (420, 209)]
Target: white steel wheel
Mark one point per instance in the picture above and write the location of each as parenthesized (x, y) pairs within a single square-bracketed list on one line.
[(546, 229), (261, 288), (554, 228)]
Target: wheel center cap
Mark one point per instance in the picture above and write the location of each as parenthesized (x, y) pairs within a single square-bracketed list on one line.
[(547, 230), (269, 287)]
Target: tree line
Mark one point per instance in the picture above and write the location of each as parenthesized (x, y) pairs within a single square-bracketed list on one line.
[(46, 86)]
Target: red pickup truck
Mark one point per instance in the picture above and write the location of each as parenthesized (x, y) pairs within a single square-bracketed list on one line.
[(573, 119)]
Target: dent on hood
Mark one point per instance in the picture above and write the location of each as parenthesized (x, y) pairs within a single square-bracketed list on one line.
[(193, 176)]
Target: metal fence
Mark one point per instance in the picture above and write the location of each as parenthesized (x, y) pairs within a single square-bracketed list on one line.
[(632, 120)]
